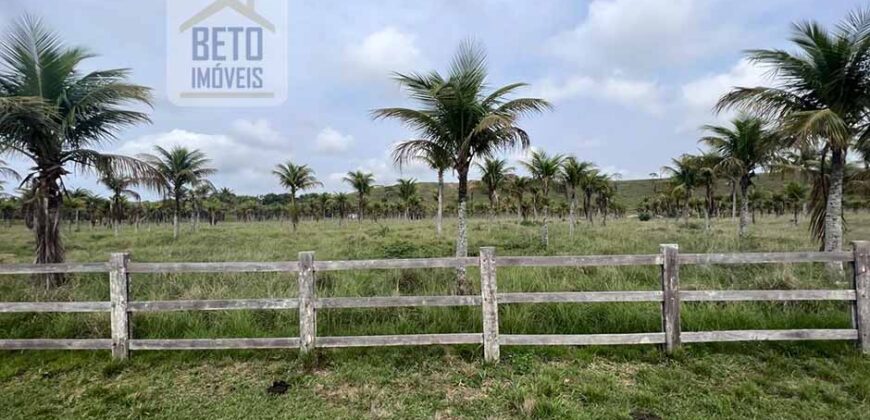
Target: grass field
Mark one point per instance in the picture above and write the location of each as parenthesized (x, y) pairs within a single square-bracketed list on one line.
[(770, 380)]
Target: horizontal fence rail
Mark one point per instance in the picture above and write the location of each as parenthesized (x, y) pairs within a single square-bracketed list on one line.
[(120, 307)]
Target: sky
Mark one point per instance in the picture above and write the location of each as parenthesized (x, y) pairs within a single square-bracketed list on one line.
[(631, 81)]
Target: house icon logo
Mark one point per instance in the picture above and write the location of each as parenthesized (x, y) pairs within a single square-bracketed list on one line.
[(227, 52)]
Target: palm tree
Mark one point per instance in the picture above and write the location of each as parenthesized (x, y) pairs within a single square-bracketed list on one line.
[(54, 115), (820, 94), (518, 187), (340, 201), (708, 174), (199, 192), (408, 194), (295, 178), (685, 176), (493, 173), (362, 182), (605, 191), (434, 155), (795, 194), (573, 174), (465, 119), (743, 148), (77, 200), (181, 169), (544, 169), (120, 187)]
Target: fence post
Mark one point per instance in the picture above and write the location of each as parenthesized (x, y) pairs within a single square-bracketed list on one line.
[(861, 284), (307, 311), (671, 296), (489, 303), (119, 285)]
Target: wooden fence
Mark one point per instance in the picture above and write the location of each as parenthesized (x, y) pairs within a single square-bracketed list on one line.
[(307, 303)]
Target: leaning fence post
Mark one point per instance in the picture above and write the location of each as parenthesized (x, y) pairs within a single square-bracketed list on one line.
[(119, 284), (307, 311), (489, 303), (861, 284), (671, 296)]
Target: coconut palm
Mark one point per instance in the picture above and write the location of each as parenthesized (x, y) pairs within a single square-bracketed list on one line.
[(433, 154), (408, 194), (708, 175), (573, 174), (518, 187), (743, 148), (820, 93), (462, 116), (180, 169), (362, 182), (493, 174), (198, 194), (340, 202), (55, 115), (544, 169), (795, 194), (77, 200), (120, 187), (295, 178), (685, 176)]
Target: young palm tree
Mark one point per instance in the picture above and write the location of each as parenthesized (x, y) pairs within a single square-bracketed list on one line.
[(362, 182), (437, 158), (295, 178), (180, 169), (743, 148), (340, 202), (77, 200), (493, 173), (685, 176), (198, 194), (544, 169), (462, 116), (708, 174), (120, 188), (518, 187), (54, 115), (820, 93), (605, 191), (408, 194), (573, 174), (795, 194)]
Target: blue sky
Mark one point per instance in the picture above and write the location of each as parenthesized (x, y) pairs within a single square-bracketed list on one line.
[(631, 80)]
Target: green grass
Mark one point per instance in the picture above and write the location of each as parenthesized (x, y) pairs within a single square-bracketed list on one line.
[(782, 380)]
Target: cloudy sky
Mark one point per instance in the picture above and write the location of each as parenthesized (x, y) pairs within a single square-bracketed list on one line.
[(631, 80)]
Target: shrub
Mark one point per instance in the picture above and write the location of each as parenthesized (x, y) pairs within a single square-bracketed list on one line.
[(644, 216)]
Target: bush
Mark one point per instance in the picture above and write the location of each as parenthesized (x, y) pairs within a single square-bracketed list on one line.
[(643, 217)]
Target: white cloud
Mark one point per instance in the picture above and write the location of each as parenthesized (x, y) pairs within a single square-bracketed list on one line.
[(259, 132), (700, 95), (630, 93), (383, 52), (331, 141), (631, 34)]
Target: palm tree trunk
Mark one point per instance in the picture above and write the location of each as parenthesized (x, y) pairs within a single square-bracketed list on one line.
[(834, 209), (545, 229), (571, 214), (175, 214), (733, 199), (438, 219), (462, 286), (77, 221), (293, 213), (744, 206), (49, 245)]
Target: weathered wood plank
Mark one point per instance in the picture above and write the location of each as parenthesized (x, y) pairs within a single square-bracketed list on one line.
[(764, 295), (11, 269), (307, 307), (215, 267), (8, 307), (488, 292), (409, 263), (766, 257), (56, 344), (211, 305), (119, 284), (671, 296), (861, 284), (396, 301), (579, 261), (581, 339), (215, 343), (399, 340), (581, 297), (768, 335)]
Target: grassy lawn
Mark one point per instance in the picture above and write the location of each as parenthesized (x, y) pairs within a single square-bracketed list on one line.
[(769, 380)]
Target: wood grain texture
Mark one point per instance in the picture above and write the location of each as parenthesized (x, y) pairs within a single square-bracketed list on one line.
[(580, 297), (768, 335), (489, 307), (215, 344), (215, 267), (211, 305), (409, 263), (764, 295), (579, 261), (10, 307), (396, 301), (671, 296), (119, 295), (11, 269), (56, 344), (399, 340), (581, 339), (861, 284), (766, 257), (307, 308)]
